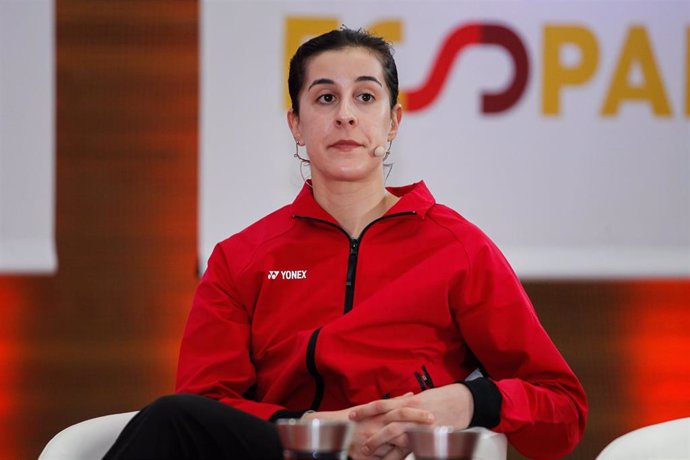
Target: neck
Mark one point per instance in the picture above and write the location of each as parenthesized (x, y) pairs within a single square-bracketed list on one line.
[(353, 204)]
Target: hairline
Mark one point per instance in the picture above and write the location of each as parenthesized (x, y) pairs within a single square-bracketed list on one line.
[(345, 46)]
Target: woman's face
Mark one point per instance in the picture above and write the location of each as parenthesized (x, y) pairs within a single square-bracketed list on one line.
[(344, 115)]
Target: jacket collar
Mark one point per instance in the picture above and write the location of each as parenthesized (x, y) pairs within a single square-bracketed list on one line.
[(413, 198)]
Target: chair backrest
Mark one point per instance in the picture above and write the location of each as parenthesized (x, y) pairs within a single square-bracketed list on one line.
[(663, 441), (86, 440)]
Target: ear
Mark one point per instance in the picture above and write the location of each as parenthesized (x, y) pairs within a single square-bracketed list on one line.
[(293, 123), (396, 117)]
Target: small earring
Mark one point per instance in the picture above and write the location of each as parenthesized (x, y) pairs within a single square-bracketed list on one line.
[(297, 155), (303, 163), (388, 150), (389, 165)]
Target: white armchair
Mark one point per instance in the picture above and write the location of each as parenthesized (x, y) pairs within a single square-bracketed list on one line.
[(87, 440), (663, 441)]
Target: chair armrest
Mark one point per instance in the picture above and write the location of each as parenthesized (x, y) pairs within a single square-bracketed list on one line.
[(86, 440), (667, 440)]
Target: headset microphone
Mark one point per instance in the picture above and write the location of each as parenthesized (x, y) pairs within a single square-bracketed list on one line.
[(379, 151)]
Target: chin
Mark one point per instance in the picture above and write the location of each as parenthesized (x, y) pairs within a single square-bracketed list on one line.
[(351, 174), (347, 171)]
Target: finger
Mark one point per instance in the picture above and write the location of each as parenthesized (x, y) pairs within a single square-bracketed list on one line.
[(401, 442), (374, 408), (408, 414), (397, 453), (392, 433), (357, 453), (383, 450)]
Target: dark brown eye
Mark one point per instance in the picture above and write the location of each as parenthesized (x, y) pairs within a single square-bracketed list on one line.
[(326, 98)]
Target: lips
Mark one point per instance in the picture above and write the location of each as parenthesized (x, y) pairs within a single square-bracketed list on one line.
[(346, 144)]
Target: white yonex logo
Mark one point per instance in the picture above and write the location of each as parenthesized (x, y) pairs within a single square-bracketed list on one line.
[(287, 274)]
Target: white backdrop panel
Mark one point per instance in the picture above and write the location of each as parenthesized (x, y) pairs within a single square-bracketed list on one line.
[(27, 141), (573, 195)]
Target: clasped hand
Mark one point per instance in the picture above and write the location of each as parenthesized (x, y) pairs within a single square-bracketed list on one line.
[(380, 425)]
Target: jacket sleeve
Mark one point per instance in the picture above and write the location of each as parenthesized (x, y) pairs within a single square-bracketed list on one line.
[(215, 357), (543, 406)]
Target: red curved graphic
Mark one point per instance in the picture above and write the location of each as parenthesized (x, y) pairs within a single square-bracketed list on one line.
[(471, 34)]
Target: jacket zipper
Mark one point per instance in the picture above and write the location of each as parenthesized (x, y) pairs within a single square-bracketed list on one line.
[(349, 297), (354, 253), (351, 272)]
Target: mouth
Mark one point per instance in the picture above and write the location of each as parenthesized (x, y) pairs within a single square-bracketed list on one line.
[(346, 144)]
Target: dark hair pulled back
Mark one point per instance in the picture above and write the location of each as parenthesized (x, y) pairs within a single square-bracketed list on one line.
[(335, 40)]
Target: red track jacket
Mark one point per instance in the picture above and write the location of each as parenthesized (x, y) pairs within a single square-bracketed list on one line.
[(292, 314)]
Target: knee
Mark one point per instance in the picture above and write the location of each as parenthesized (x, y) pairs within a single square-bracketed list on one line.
[(170, 406)]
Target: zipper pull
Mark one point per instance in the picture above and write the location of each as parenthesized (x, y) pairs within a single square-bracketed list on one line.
[(424, 379), (427, 378), (354, 243)]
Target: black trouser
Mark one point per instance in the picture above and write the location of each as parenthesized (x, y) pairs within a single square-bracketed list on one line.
[(194, 427)]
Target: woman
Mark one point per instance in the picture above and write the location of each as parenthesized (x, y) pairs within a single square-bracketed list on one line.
[(358, 302)]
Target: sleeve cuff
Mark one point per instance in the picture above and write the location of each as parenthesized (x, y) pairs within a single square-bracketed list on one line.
[(487, 402), (285, 414)]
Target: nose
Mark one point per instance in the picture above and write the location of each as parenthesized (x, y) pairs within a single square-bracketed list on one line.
[(345, 115)]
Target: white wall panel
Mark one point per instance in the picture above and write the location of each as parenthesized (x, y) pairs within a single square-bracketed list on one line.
[(27, 140), (571, 195)]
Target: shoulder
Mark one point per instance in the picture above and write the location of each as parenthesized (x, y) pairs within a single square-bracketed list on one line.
[(438, 217), (478, 248), (243, 246), (486, 267), (268, 227), (457, 226)]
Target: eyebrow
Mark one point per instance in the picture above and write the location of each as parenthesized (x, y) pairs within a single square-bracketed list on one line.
[(328, 81)]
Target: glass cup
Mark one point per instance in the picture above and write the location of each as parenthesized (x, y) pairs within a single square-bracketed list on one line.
[(314, 439), (442, 443)]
